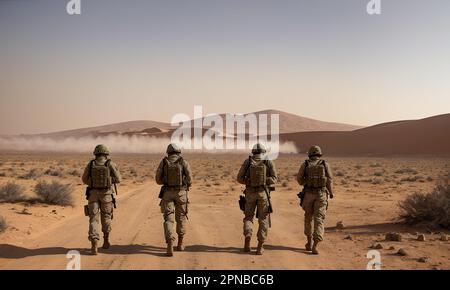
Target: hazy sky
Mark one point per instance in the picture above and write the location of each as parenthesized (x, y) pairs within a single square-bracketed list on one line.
[(124, 60)]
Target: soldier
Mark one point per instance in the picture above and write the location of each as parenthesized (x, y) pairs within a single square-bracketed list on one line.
[(174, 175), (316, 177), (257, 173), (100, 175)]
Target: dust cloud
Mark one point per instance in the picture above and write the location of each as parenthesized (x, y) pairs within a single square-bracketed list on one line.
[(118, 144)]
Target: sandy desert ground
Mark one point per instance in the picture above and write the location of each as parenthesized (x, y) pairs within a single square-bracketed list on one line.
[(367, 192)]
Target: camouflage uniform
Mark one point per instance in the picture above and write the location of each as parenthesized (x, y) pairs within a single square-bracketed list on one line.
[(256, 198), (174, 201), (315, 201), (100, 200)]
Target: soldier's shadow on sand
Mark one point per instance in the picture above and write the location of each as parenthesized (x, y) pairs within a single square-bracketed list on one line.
[(16, 252), (370, 229), (238, 250)]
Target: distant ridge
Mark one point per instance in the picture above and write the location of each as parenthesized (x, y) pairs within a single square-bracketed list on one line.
[(289, 123), (428, 136)]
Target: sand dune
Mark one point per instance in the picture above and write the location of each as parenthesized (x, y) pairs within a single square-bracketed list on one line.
[(429, 136), (289, 123), (117, 128)]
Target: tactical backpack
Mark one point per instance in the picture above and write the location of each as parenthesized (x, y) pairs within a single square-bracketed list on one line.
[(100, 175), (173, 173), (257, 172), (315, 174)]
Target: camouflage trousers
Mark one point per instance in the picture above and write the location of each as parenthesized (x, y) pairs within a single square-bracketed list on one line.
[(173, 207), (315, 206), (100, 208), (256, 200)]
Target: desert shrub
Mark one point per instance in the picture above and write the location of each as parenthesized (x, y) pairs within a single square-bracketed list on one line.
[(12, 192), (32, 174), (377, 181), (412, 178), (340, 173), (432, 208), (3, 224), (358, 166), (406, 171), (55, 172), (133, 172), (379, 173), (54, 193), (75, 172)]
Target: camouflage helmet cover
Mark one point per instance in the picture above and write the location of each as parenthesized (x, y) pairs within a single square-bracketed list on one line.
[(315, 151), (258, 148), (173, 148), (101, 149)]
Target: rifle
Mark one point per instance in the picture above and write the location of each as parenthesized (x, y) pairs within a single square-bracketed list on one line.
[(242, 202), (117, 193), (187, 202), (301, 196), (270, 209), (161, 192), (87, 193)]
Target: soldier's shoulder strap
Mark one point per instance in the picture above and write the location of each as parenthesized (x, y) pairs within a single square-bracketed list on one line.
[(180, 161), (249, 162), (91, 164), (107, 165), (306, 166), (267, 162), (324, 166)]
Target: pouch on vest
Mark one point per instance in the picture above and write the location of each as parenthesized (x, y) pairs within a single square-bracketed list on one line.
[(174, 173), (316, 175), (100, 175), (257, 173)]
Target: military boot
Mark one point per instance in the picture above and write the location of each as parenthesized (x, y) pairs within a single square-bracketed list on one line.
[(94, 246), (247, 248), (169, 252), (180, 246), (106, 243), (315, 251), (260, 249), (308, 245)]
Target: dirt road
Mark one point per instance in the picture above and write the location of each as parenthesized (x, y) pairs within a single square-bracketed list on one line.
[(214, 240)]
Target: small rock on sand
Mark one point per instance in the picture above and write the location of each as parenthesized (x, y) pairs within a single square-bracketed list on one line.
[(349, 237), (422, 260), (421, 238), (377, 246), (394, 237), (402, 252), (25, 211), (340, 225)]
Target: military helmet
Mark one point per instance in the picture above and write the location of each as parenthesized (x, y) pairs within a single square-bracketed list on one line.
[(258, 148), (315, 151), (173, 148), (101, 149)]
